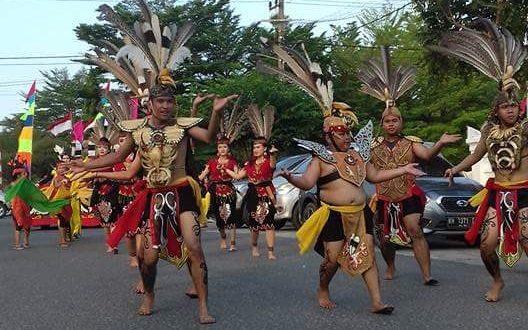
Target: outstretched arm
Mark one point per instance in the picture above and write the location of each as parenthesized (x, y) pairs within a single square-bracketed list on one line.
[(120, 155), (240, 174), (469, 161), (207, 135), (376, 176), (127, 175), (308, 179), (427, 153)]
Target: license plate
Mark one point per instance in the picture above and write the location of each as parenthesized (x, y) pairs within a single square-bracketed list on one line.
[(459, 222)]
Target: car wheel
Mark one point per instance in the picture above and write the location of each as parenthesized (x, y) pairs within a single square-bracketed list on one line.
[(307, 212), (3, 210)]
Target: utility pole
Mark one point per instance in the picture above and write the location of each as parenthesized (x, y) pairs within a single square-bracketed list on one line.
[(278, 20)]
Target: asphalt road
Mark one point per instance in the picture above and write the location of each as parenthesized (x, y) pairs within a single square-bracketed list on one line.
[(81, 287)]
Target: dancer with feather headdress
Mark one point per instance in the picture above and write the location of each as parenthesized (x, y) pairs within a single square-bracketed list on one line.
[(170, 226), (502, 215), (219, 182), (342, 227), (260, 196), (400, 202)]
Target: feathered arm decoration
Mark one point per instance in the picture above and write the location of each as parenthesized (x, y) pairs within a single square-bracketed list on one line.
[(383, 82), (492, 50)]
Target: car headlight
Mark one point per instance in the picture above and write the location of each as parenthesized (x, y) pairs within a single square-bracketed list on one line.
[(285, 188)]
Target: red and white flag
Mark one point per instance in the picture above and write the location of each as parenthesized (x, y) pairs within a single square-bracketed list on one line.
[(61, 125)]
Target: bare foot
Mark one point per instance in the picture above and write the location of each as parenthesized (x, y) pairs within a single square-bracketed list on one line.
[(205, 317), (255, 252), (271, 256), (380, 308), (389, 273), (133, 262), (493, 293), (323, 296), (191, 293), (223, 244), (139, 289), (146, 307), (232, 248)]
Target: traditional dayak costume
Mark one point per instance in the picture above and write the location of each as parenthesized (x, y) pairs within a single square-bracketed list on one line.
[(169, 191), (499, 55), (221, 188), (260, 196), (398, 197), (350, 223)]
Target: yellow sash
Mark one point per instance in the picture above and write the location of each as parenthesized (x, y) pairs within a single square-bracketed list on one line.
[(310, 230), (477, 199)]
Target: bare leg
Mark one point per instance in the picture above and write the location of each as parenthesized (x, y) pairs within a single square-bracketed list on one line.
[(140, 242), (131, 247), (62, 237), (388, 253), (26, 237), (254, 243), (327, 271), (148, 262), (223, 243), (371, 278), (523, 227), (191, 236), (191, 292), (233, 239), (17, 239), (270, 240), (488, 244), (107, 231), (420, 246)]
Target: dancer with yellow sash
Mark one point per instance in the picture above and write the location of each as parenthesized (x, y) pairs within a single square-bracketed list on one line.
[(342, 228), (502, 216)]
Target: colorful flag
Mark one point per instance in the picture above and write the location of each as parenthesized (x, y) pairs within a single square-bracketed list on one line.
[(25, 140), (61, 125), (92, 123)]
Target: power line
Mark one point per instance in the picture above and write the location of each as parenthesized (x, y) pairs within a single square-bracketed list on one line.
[(39, 57), (33, 64)]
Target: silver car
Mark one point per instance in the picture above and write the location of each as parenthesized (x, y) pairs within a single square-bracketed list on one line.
[(292, 203), (4, 208)]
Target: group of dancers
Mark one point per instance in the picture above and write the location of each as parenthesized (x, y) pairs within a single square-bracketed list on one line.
[(163, 217)]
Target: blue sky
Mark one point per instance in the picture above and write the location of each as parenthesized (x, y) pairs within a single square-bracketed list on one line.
[(45, 28)]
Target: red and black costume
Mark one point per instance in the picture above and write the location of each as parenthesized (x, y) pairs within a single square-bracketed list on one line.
[(260, 196), (104, 201), (223, 194)]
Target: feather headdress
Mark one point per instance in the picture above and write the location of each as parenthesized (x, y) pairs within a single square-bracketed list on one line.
[(261, 120), (382, 81), (492, 50), (231, 123), (102, 131), (149, 52), (307, 75)]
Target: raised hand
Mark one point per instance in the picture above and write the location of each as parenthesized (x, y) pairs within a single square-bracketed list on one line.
[(220, 103), (450, 138), (411, 169), (200, 98), (449, 175)]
